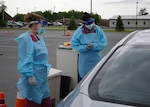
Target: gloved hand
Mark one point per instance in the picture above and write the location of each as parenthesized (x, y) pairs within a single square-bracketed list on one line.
[(90, 46), (32, 80)]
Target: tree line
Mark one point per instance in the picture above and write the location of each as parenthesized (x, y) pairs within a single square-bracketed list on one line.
[(54, 16)]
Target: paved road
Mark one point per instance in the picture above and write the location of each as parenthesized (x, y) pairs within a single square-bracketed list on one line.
[(8, 61)]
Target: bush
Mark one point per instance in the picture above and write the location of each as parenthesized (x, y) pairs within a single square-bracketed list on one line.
[(2, 23), (72, 24), (119, 24)]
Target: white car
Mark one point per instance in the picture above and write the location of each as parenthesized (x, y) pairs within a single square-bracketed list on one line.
[(14, 24), (120, 79), (57, 24)]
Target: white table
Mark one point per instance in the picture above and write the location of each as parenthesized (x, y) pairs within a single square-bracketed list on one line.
[(54, 79), (67, 60)]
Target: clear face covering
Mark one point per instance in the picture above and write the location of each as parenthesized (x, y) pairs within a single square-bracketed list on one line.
[(42, 27)]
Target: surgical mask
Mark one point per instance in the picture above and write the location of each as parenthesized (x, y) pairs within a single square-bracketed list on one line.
[(90, 26), (41, 31)]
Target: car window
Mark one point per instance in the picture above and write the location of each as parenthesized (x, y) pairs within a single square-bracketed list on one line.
[(125, 77)]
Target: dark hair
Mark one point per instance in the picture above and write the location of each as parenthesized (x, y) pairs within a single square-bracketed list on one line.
[(86, 16)]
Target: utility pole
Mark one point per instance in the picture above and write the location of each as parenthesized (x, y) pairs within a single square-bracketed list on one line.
[(136, 13), (91, 7), (17, 10), (54, 9), (34, 9)]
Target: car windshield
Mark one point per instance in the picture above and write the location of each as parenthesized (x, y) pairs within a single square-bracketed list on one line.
[(125, 77)]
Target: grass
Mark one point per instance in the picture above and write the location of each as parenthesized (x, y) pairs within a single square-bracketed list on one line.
[(113, 30)]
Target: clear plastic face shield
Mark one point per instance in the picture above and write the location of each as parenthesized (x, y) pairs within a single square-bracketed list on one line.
[(42, 27), (90, 23)]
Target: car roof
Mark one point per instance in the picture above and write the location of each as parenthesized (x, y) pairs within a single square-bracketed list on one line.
[(139, 37)]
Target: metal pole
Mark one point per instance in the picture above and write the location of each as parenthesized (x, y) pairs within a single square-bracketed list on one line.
[(17, 10), (34, 9), (91, 7), (64, 26), (54, 9), (136, 13)]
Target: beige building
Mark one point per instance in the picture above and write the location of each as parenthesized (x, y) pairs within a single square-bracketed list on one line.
[(131, 21)]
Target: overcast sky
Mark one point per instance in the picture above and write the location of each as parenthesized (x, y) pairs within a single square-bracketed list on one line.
[(105, 8)]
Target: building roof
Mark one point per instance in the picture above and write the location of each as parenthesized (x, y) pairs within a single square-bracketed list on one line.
[(131, 17), (8, 17)]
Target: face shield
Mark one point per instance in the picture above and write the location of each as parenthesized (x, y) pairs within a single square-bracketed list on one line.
[(41, 26), (90, 23)]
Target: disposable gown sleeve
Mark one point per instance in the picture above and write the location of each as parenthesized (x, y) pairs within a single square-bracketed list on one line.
[(102, 40), (75, 41), (25, 51)]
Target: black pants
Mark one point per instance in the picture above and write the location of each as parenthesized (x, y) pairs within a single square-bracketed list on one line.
[(79, 78)]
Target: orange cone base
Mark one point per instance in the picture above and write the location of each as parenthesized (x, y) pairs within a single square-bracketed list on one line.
[(68, 34), (20, 103), (2, 99), (3, 105)]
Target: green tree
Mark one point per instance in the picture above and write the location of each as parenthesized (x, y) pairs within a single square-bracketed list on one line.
[(2, 10), (19, 17), (61, 15), (2, 15), (97, 18), (119, 24), (54, 16), (2, 23), (48, 15), (72, 24), (143, 11)]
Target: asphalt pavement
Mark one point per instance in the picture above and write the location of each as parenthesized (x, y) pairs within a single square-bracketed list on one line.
[(9, 59)]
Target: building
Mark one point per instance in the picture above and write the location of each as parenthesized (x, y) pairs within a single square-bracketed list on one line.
[(5, 16), (8, 17), (131, 21)]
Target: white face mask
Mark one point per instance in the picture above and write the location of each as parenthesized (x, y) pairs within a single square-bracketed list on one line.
[(89, 26)]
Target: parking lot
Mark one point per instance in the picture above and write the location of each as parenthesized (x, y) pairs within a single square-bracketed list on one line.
[(8, 61)]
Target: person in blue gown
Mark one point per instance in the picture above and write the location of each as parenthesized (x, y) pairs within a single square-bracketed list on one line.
[(89, 40), (33, 63)]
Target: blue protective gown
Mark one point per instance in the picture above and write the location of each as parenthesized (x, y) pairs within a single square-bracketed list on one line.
[(88, 58), (33, 61)]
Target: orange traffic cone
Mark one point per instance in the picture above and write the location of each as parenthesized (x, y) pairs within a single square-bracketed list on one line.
[(2, 99), (5, 33), (12, 32), (20, 101), (68, 34)]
